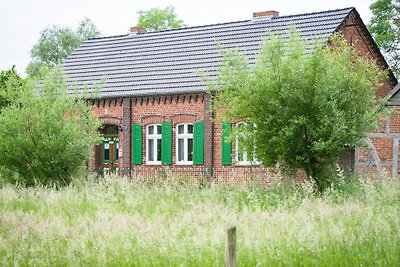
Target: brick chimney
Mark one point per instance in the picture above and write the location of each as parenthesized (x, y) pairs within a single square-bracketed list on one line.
[(265, 14), (137, 29)]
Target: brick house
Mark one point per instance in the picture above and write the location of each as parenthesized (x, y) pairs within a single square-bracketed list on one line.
[(155, 108)]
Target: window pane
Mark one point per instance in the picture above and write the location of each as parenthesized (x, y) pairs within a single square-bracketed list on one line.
[(250, 156), (151, 129), (158, 129), (158, 149), (190, 128), (241, 150), (240, 156), (181, 150), (245, 158), (106, 151), (190, 150), (150, 150), (181, 129)]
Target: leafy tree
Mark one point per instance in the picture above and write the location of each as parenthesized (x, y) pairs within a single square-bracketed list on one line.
[(385, 28), (158, 19), (56, 43), (9, 84), (306, 107), (47, 134)]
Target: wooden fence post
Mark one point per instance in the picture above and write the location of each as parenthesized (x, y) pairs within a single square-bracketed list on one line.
[(230, 247)]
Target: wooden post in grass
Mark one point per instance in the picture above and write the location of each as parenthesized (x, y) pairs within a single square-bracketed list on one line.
[(230, 247)]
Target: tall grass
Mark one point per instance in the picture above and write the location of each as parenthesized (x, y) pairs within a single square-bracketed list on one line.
[(116, 222)]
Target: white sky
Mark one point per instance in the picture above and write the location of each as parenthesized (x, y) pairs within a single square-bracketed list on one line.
[(22, 20)]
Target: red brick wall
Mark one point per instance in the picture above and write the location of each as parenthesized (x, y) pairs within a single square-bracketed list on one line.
[(191, 108), (357, 35), (384, 146), (394, 122), (383, 141), (176, 109), (184, 108)]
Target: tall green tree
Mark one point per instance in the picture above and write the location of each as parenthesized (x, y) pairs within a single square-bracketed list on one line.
[(46, 135), (306, 108), (158, 19), (56, 43), (385, 28)]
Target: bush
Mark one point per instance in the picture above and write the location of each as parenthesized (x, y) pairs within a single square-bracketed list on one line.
[(46, 134), (307, 108)]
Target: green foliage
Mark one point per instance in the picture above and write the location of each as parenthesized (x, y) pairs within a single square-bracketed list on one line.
[(306, 107), (9, 84), (46, 135), (385, 28), (56, 43), (115, 221), (158, 19)]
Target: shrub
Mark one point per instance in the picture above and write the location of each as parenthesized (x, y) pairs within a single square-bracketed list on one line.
[(301, 110), (46, 134)]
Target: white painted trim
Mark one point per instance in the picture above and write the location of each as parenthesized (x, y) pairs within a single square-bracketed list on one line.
[(185, 136), (155, 136)]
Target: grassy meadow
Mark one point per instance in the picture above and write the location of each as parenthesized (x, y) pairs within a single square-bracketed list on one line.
[(116, 222)]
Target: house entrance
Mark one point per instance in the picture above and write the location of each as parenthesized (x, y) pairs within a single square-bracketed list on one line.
[(109, 149)]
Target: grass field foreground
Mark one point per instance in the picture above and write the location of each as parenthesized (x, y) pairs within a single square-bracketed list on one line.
[(116, 222)]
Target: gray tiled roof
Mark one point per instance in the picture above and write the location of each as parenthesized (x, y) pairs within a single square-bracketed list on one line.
[(169, 61)]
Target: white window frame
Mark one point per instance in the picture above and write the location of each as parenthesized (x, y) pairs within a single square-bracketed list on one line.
[(155, 137), (185, 136), (245, 160)]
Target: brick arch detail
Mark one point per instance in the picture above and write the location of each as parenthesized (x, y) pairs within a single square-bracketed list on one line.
[(152, 119), (111, 120), (183, 118)]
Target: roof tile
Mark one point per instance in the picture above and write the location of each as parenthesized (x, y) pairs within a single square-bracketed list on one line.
[(169, 61)]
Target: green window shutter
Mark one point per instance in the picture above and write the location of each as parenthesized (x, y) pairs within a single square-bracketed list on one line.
[(226, 144), (166, 143), (198, 143), (137, 144)]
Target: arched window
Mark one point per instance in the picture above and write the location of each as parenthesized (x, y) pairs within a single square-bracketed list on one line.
[(184, 143), (153, 144), (109, 129)]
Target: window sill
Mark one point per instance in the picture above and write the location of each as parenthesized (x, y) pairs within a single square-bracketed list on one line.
[(184, 163), (153, 163), (247, 164)]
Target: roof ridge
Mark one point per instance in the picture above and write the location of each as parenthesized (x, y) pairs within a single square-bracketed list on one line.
[(316, 12), (153, 62), (222, 23)]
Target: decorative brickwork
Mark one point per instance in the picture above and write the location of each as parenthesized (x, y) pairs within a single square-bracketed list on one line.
[(126, 134), (175, 109), (208, 136)]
